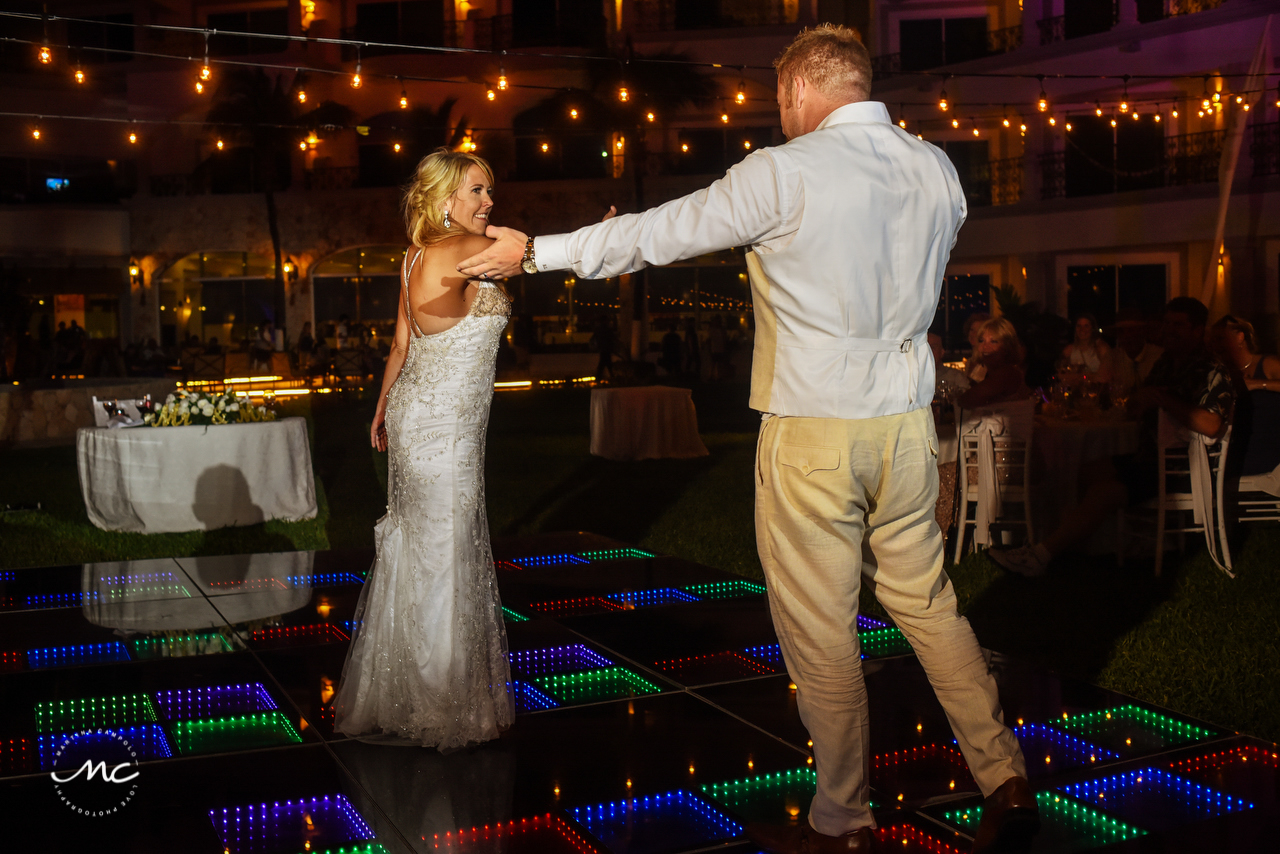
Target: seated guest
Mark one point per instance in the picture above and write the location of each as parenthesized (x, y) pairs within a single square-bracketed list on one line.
[(1192, 386), (1255, 439), (213, 348), (973, 367), (1088, 352), (942, 374), (1133, 356), (1001, 356)]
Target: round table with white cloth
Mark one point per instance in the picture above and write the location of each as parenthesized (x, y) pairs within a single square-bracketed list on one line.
[(165, 479), (644, 423), (1066, 446)]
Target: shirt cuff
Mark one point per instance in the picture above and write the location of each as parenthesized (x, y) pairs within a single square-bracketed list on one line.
[(550, 252)]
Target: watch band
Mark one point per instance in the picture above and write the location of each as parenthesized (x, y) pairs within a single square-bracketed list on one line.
[(528, 263)]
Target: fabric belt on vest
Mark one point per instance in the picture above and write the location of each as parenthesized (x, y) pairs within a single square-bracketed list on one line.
[(906, 346)]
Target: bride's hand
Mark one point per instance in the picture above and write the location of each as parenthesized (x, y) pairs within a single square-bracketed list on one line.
[(378, 431)]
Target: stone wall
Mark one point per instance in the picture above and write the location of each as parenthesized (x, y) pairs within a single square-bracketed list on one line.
[(51, 416)]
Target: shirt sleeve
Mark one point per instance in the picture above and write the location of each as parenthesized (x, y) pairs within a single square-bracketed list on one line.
[(747, 206)]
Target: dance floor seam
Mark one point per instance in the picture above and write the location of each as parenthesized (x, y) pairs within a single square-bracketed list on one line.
[(663, 719)]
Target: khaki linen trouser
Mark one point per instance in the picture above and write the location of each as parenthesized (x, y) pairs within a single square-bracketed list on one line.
[(836, 500)]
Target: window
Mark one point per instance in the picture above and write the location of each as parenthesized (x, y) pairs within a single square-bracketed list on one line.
[(962, 295), (1105, 290), (410, 22), (266, 21), (1100, 158), (972, 162), (1086, 17), (562, 23), (930, 42)]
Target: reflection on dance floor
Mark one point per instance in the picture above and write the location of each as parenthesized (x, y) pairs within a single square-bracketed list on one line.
[(656, 717)]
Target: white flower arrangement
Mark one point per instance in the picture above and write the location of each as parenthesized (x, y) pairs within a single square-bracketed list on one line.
[(196, 407)]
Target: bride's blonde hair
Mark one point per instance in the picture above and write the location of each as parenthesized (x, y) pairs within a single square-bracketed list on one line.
[(437, 177)]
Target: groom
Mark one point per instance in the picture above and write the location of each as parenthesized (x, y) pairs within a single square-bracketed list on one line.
[(850, 225)]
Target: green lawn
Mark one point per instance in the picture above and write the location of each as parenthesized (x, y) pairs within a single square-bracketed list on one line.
[(1194, 641)]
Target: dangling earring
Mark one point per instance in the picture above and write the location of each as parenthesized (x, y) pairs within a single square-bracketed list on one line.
[(447, 224)]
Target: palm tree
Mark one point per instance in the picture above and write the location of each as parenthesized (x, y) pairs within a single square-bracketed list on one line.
[(260, 113)]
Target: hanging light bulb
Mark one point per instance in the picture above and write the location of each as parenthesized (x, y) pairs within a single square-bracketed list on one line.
[(1157, 115), (684, 147), (1124, 106), (302, 96), (545, 148), (205, 71), (1113, 121), (79, 75), (133, 137), (1135, 115), (404, 97), (1205, 103), (356, 81), (1068, 127), (573, 113), (199, 87), (1124, 102), (1201, 114), (490, 94), (741, 97), (1023, 128), (975, 128), (1042, 104), (1174, 112), (902, 123), (955, 123), (219, 144), (46, 55), (303, 145), (35, 132), (623, 94), (724, 118), (746, 143), (396, 148), (943, 103), (502, 79), (1052, 121), (650, 116), (1217, 96), (1097, 109)]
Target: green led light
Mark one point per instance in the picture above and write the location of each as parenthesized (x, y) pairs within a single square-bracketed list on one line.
[(1169, 730), (877, 643), (74, 715), (614, 554), (146, 591), (359, 848), (241, 732), (725, 589), (606, 683), (777, 798), (1063, 811), (202, 643), (513, 617)]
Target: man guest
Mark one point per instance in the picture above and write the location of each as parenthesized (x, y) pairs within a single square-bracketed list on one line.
[(850, 226)]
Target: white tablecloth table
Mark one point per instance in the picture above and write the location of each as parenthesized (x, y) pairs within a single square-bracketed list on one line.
[(644, 423), (165, 479)]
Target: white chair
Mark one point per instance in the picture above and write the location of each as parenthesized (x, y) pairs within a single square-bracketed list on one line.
[(994, 444), (1190, 479), (1258, 497)]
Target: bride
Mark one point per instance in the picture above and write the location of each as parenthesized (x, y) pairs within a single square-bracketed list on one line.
[(428, 657)]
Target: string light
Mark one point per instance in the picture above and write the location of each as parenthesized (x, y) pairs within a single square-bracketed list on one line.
[(205, 72), (545, 148), (302, 96), (573, 113), (1205, 103), (1004, 110), (1052, 121), (356, 82), (490, 94), (1174, 112), (650, 116), (724, 118), (975, 127), (1097, 109), (133, 137), (955, 123), (1157, 115), (46, 55), (741, 97), (943, 103), (404, 97), (79, 75), (1043, 103), (746, 143), (1068, 126), (623, 94), (1113, 121), (1124, 102), (35, 132), (219, 144), (396, 148), (502, 79), (684, 147), (1135, 115)]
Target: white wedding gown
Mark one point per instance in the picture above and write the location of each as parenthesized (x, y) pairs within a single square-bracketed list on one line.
[(428, 657)]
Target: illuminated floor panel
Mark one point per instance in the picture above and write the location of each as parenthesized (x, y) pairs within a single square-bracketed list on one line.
[(18, 756), (1065, 824), (530, 699), (725, 589), (593, 686), (650, 598), (287, 636), (1155, 799), (920, 772), (73, 656), (560, 659), (658, 823), (549, 833), (244, 732), (214, 702), (909, 839), (614, 554), (69, 750), (548, 560), (284, 827), (511, 616), (200, 643), (781, 798), (1248, 771), (1133, 731), (1050, 751), (575, 607), (717, 667), (121, 710)]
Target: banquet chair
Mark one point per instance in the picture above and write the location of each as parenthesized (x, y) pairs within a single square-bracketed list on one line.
[(1258, 497), (1190, 479), (208, 367), (994, 456)]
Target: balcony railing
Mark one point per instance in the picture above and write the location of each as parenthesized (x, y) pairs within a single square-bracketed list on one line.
[(1173, 8), (1052, 30), (1006, 181), (1190, 158), (491, 33), (1053, 175), (1193, 158), (998, 42), (1264, 147), (1005, 40), (656, 16)]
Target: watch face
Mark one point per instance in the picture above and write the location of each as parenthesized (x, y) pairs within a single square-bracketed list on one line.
[(529, 266)]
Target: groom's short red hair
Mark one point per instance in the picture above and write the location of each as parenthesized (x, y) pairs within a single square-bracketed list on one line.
[(832, 59)]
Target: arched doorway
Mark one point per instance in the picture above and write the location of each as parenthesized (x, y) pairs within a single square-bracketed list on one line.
[(361, 283), (223, 295)]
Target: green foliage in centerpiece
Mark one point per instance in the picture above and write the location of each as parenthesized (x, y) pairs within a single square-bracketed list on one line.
[(196, 407)]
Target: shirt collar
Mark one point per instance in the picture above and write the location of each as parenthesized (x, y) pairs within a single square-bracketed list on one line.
[(859, 112)]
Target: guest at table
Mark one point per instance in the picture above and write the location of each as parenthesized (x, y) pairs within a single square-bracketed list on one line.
[(263, 345), (305, 346), (973, 367), (1255, 439), (1134, 355), (1192, 386), (341, 333), (1000, 354), (1088, 352), (941, 373), (692, 349), (605, 341), (672, 350)]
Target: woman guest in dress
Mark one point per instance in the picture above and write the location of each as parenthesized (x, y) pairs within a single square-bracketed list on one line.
[(1000, 354), (1088, 352), (973, 368), (428, 658), (1255, 436)]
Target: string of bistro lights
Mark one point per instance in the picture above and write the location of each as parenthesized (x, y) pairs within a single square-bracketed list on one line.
[(1213, 101)]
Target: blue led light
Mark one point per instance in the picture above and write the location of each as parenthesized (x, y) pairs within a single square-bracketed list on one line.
[(325, 579), (769, 653), (1062, 750), (61, 600), (214, 701), (865, 623), (650, 598), (72, 749), (548, 560), (656, 823), (1155, 799), (70, 656), (313, 824), (556, 659), (530, 699)]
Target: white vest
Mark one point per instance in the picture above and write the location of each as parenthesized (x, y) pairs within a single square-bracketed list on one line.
[(843, 310)]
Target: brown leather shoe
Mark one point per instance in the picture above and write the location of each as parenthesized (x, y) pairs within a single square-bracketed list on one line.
[(805, 840), (1010, 819)]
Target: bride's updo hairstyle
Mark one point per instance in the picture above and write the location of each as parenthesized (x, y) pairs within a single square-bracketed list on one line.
[(437, 177)]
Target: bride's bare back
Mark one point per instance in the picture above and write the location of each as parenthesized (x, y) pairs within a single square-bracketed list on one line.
[(439, 296)]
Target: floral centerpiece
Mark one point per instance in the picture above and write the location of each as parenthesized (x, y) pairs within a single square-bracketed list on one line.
[(196, 407)]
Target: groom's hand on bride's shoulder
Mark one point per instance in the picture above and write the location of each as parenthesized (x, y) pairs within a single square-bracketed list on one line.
[(501, 260)]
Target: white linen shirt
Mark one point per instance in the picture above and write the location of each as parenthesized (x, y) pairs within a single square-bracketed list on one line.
[(840, 296)]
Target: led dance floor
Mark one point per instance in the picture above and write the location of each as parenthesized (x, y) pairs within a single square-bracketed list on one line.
[(654, 716)]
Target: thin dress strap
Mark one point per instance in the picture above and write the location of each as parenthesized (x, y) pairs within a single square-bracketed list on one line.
[(408, 309)]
